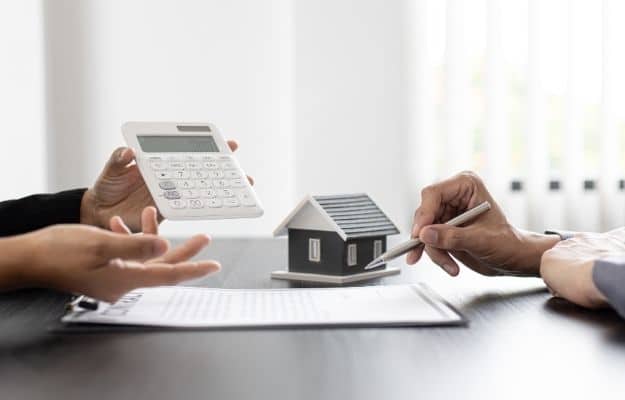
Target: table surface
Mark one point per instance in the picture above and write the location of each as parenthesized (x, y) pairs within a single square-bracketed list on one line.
[(519, 342)]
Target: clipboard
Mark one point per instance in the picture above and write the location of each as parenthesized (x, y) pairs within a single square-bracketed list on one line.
[(180, 307)]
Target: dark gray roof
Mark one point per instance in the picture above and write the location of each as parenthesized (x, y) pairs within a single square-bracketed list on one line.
[(357, 215)]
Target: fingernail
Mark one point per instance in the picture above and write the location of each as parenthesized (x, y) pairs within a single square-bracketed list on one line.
[(415, 231), (429, 236), (121, 155)]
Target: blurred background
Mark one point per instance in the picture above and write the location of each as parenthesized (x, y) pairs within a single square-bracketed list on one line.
[(331, 96)]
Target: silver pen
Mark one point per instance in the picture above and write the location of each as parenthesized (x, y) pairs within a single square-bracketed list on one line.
[(405, 247)]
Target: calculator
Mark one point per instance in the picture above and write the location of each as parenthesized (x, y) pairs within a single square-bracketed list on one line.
[(190, 171)]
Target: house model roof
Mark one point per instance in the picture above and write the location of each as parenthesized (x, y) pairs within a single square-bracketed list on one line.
[(349, 215)]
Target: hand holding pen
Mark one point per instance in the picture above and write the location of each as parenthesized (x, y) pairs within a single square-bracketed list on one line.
[(488, 244)]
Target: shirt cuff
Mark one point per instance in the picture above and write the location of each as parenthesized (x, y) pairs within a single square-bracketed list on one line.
[(608, 274)]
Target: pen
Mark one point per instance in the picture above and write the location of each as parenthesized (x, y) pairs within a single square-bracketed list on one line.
[(405, 247)]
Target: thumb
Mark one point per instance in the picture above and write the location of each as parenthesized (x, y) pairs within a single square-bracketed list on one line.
[(119, 160), (448, 237), (131, 247)]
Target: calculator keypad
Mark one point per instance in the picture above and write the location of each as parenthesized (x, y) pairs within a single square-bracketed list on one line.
[(206, 182)]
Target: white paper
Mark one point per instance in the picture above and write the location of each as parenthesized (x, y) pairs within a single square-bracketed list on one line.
[(193, 307)]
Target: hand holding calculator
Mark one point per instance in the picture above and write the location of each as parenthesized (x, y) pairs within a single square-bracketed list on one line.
[(190, 171)]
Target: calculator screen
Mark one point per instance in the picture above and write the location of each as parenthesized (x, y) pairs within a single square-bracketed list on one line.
[(177, 144)]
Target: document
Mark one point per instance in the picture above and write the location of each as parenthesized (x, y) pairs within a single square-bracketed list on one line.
[(195, 307)]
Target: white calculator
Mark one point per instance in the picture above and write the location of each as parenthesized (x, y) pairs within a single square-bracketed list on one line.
[(190, 171)]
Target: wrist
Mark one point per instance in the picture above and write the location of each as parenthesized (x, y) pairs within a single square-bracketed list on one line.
[(88, 213), (534, 245), (16, 263)]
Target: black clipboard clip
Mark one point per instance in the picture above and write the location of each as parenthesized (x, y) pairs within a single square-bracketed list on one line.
[(82, 303)]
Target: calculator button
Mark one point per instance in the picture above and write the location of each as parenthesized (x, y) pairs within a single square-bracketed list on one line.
[(209, 158), (231, 202), (167, 185), (246, 198), (213, 203), (181, 174), (233, 174), (194, 165), (225, 193), (216, 174), (228, 165), (211, 165), (163, 175), (172, 195), (199, 174), (178, 204), (190, 194), (225, 158), (158, 165), (220, 183), (237, 183), (210, 193), (195, 203), (186, 184), (176, 165)]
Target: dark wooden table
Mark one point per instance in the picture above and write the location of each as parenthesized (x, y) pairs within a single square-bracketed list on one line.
[(520, 343)]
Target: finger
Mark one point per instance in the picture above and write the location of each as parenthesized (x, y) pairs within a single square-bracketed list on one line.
[(119, 160), (437, 199), (134, 247), (414, 255), (250, 180), (149, 220), (136, 275), (449, 237), (443, 259), (186, 250), (117, 225), (233, 145)]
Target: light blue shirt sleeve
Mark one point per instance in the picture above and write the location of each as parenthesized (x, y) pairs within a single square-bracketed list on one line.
[(609, 277)]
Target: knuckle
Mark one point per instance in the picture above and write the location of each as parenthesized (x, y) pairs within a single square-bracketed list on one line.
[(173, 274), (470, 176), (98, 249), (451, 239), (428, 191)]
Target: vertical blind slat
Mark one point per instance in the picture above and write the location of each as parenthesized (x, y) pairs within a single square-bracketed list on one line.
[(457, 147), (609, 139), (537, 145), (496, 143)]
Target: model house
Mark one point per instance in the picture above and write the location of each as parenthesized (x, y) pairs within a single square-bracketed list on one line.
[(335, 235)]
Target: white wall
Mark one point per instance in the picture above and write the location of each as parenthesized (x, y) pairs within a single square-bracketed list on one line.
[(114, 61), (349, 96), (22, 140), (311, 89)]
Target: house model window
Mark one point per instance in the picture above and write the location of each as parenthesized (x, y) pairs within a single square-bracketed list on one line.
[(314, 250), (377, 248), (352, 254)]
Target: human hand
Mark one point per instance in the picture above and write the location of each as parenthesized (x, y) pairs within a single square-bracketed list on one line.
[(120, 190), (106, 265), (489, 244), (567, 268)]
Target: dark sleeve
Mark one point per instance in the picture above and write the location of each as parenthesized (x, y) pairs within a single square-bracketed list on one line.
[(38, 211), (609, 277)]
